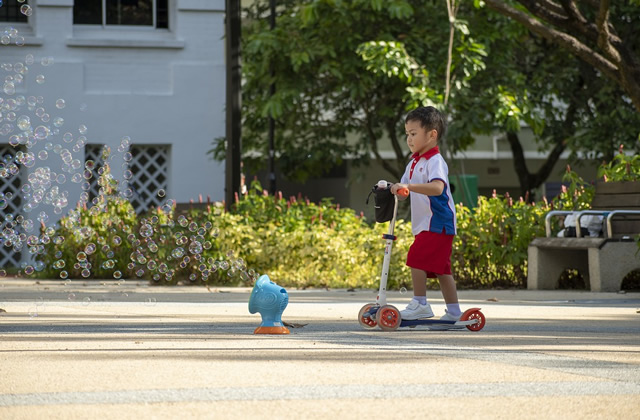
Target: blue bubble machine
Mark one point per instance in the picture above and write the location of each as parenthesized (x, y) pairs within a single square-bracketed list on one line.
[(269, 300)]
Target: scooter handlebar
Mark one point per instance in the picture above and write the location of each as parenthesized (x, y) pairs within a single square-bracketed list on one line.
[(382, 184)]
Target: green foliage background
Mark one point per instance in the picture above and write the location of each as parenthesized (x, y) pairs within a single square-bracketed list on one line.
[(299, 243)]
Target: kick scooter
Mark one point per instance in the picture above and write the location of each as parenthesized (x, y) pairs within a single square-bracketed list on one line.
[(388, 317)]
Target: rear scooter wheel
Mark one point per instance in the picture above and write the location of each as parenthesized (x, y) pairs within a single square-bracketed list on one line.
[(474, 314), (369, 322), (389, 318)]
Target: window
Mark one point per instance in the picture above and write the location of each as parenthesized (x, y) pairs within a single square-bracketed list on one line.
[(149, 168), (93, 152), (10, 11), (148, 173), (12, 177), (151, 13)]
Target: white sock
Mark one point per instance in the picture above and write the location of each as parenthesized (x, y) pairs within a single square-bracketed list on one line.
[(422, 300), (454, 309)]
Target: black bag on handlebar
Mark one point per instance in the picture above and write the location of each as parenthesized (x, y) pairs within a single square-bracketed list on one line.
[(384, 203)]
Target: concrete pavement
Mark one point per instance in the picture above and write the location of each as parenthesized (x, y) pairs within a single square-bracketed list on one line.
[(126, 350)]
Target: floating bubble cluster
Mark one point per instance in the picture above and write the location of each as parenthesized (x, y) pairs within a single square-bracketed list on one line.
[(98, 236)]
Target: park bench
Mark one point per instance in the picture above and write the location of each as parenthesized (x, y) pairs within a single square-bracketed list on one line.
[(603, 261)]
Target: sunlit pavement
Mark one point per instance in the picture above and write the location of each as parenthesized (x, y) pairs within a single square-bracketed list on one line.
[(127, 350)]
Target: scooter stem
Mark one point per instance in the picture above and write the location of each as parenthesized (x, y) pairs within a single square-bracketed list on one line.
[(382, 293)]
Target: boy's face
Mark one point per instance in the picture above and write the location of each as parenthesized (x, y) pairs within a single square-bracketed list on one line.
[(420, 139)]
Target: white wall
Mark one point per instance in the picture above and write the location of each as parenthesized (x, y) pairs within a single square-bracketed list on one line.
[(155, 86)]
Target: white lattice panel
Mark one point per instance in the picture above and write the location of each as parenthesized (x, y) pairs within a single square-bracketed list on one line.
[(94, 152), (150, 168), (10, 184)]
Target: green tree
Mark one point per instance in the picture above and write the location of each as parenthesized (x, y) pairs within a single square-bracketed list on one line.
[(568, 104), (335, 76), (603, 34), (356, 68)]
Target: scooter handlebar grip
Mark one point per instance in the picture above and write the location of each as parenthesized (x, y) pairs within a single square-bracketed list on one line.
[(403, 192)]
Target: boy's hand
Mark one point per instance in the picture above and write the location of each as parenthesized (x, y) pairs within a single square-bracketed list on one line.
[(397, 189)]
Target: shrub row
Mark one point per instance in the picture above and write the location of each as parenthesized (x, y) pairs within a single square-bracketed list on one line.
[(298, 243)]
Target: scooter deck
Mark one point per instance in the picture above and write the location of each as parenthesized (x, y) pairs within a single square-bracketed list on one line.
[(451, 324), (413, 322)]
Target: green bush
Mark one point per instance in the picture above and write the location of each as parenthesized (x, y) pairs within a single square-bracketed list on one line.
[(621, 168), (298, 243), (303, 244), (490, 249), (92, 243)]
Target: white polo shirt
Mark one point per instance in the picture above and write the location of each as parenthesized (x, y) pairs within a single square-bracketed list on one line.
[(430, 213)]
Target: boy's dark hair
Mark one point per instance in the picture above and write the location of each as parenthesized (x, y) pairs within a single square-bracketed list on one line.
[(430, 118)]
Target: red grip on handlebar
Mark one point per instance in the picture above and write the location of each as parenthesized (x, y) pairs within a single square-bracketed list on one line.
[(403, 192)]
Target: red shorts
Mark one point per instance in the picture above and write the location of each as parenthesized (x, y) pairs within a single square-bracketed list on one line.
[(431, 252)]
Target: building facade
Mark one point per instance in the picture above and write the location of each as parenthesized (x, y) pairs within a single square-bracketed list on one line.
[(145, 77)]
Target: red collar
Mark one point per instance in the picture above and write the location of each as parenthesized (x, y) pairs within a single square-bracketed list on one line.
[(416, 158), (429, 153)]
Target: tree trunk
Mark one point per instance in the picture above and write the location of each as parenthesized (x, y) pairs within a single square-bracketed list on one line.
[(530, 181)]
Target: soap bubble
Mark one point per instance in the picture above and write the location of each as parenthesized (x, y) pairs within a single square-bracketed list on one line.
[(90, 248), (146, 230), (60, 103), (26, 10), (195, 247), (67, 137), (40, 79)]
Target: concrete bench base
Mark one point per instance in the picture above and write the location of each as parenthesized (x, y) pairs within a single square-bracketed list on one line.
[(603, 263)]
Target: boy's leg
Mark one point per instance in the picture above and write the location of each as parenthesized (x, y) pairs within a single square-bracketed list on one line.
[(419, 280), (448, 288), (450, 294)]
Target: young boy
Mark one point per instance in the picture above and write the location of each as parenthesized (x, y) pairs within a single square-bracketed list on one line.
[(433, 214)]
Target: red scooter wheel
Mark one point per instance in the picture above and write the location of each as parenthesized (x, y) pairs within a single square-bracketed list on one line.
[(389, 318), (369, 322), (474, 314)]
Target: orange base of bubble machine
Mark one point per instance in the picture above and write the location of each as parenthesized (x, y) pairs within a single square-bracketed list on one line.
[(271, 330)]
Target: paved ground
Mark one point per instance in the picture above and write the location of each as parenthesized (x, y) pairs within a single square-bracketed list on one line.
[(128, 351)]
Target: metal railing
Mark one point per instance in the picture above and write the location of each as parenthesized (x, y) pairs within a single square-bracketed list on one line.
[(609, 214)]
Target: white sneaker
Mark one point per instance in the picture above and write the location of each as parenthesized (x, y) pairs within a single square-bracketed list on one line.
[(415, 310), (448, 317)]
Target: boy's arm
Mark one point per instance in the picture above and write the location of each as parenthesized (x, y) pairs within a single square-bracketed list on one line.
[(435, 187)]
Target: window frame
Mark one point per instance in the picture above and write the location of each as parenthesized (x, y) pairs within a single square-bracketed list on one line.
[(23, 21), (106, 26)]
